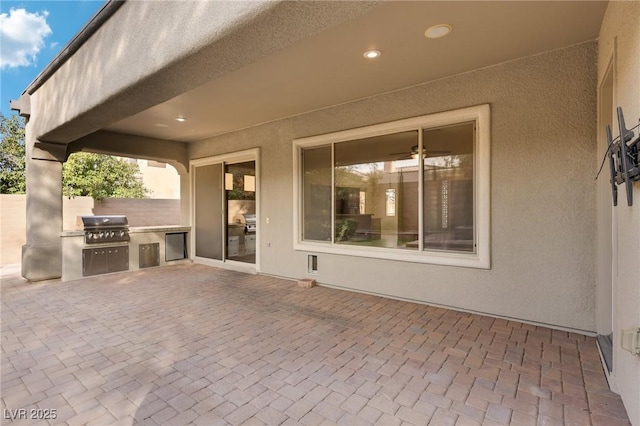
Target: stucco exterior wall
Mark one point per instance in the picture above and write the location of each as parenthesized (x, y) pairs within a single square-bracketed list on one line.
[(12, 228), (14, 222), (620, 40), (543, 114), (160, 178)]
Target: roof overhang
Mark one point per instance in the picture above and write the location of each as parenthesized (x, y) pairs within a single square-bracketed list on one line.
[(225, 66)]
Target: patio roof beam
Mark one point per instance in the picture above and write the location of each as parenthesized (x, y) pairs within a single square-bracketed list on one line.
[(104, 142), (22, 105)]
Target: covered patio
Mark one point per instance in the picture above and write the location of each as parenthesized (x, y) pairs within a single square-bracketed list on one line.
[(192, 344), (453, 169)]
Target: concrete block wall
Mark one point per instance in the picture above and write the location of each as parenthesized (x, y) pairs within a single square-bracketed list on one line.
[(141, 211)]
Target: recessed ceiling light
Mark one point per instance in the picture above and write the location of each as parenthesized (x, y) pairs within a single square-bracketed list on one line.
[(181, 119), (437, 31), (371, 54)]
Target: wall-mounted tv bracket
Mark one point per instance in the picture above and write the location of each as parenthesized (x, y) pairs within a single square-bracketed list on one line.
[(623, 159)]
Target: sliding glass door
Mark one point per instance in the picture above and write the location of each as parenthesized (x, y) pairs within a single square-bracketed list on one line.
[(208, 231), (224, 210)]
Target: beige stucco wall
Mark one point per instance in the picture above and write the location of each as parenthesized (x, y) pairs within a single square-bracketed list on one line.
[(163, 182), (12, 228), (13, 223), (620, 40), (543, 114)]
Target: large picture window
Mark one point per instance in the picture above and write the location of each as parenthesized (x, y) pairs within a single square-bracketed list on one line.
[(382, 169), (414, 190)]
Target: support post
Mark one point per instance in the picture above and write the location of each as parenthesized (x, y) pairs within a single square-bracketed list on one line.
[(185, 198), (42, 254)]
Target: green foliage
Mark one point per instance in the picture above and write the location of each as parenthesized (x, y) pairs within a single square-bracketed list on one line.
[(345, 229), (238, 192), (95, 175), (12, 155), (101, 176)]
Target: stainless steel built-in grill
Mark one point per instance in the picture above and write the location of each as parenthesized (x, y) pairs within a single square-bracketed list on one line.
[(251, 224), (248, 220), (105, 229)]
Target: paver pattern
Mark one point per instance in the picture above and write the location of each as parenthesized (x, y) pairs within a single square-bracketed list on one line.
[(191, 344)]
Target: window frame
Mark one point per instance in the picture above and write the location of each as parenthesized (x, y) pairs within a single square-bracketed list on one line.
[(480, 258)]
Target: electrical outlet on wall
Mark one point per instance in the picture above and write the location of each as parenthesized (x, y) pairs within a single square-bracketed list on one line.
[(631, 340)]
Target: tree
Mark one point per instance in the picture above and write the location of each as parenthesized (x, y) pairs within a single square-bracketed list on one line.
[(12, 155), (101, 176), (95, 175)]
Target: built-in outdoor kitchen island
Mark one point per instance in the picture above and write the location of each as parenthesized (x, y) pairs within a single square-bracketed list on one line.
[(107, 245)]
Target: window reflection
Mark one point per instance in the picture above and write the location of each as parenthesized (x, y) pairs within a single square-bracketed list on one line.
[(241, 211), (448, 188), (316, 193), (376, 192), (390, 207)]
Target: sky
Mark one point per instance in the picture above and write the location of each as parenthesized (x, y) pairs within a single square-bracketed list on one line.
[(32, 33)]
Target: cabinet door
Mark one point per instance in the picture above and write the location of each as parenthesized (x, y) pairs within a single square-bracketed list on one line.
[(175, 246), (117, 259), (94, 261), (149, 255)]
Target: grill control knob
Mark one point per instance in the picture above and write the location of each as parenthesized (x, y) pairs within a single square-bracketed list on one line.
[(122, 233)]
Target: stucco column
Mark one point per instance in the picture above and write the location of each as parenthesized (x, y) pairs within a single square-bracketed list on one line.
[(185, 199), (42, 255)]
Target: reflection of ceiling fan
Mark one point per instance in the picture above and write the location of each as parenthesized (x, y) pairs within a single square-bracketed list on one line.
[(414, 153)]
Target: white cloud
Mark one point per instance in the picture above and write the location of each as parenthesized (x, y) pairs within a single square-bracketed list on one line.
[(22, 35)]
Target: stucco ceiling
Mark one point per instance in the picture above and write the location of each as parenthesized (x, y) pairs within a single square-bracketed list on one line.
[(329, 68)]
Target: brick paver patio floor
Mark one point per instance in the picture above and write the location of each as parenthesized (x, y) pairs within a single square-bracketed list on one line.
[(192, 344)]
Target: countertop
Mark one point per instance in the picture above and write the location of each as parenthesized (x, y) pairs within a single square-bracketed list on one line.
[(136, 230)]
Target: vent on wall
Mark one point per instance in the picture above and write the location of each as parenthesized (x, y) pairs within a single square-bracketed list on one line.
[(312, 264)]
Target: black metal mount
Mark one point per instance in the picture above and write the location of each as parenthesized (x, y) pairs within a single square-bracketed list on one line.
[(623, 159)]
